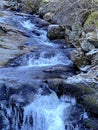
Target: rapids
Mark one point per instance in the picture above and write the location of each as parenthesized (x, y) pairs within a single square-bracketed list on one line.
[(33, 106)]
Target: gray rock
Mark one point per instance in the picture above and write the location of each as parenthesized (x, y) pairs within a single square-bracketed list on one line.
[(79, 58), (86, 46), (48, 16), (85, 87), (56, 32)]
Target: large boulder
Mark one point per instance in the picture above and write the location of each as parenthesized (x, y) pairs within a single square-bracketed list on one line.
[(59, 8), (85, 87)]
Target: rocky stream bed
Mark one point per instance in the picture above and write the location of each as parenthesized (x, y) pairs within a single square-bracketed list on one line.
[(47, 84)]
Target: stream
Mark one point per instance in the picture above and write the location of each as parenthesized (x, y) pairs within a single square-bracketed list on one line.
[(30, 104)]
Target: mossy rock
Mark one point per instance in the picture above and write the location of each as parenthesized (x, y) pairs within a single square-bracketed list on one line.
[(91, 102), (92, 21), (91, 28)]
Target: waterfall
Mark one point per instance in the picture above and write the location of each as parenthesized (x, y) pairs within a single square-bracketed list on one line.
[(47, 113)]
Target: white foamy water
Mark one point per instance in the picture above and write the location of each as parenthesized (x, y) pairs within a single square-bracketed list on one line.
[(28, 25), (47, 113), (43, 40), (58, 59)]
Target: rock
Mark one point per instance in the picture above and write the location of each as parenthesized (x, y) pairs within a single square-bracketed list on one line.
[(78, 57), (91, 27), (6, 55), (3, 92), (48, 16), (76, 31), (12, 5), (55, 32), (3, 3), (90, 101), (59, 8), (30, 6), (91, 124), (86, 46), (11, 40), (43, 23), (49, 6), (92, 38), (78, 86), (93, 56), (56, 84), (85, 87)]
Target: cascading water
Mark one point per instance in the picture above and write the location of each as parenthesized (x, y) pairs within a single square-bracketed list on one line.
[(43, 112), (50, 113), (47, 53), (46, 112)]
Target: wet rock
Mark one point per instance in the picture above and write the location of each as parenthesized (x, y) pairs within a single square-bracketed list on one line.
[(11, 40), (3, 94), (79, 58), (91, 124), (78, 87), (22, 95), (85, 87), (91, 102), (56, 84), (55, 32), (59, 71)]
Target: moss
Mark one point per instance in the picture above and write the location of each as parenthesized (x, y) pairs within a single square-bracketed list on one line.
[(30, 4), (92, 19), (81, 62), (96, 1), (91, 102), (87, 90)]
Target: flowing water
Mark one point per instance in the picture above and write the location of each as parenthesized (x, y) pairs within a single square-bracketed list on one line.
[(44, 111)]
